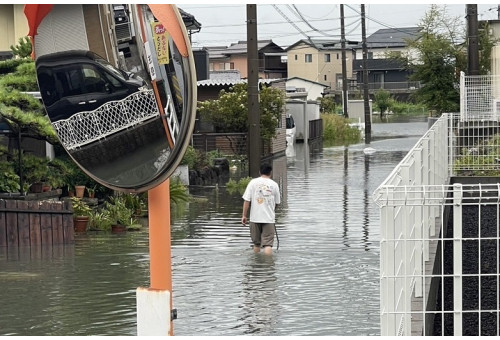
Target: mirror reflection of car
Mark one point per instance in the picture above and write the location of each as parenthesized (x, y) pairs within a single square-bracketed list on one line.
[(79, 80), (290, 129)]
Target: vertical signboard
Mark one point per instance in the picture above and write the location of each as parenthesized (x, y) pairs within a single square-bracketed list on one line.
[(160, 39)]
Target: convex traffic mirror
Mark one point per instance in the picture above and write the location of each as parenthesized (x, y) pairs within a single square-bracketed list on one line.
[(118, 84)]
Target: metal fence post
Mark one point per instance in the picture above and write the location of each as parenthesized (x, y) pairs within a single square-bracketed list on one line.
[(457, 259)]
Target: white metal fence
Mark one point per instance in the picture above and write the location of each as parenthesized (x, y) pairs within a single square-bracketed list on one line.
[(474, 146), (479, 97), (407, 229), (114, 116), (439, 247)]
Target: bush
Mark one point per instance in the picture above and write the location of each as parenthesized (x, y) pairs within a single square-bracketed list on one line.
[(233, 186), (336, 130)]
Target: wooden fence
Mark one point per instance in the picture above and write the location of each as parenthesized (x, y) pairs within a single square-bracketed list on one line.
[(35, 223)]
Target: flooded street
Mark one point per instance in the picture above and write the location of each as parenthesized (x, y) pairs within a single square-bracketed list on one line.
[(323, 279)]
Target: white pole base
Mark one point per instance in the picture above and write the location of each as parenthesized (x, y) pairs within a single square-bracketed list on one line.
[(153, 311)]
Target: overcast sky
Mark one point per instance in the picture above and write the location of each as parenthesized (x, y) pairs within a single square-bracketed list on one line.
[(285, 24)]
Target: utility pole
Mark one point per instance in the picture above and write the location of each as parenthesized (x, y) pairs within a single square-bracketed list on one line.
[(472, 38), (344, 63), (366, 95), (254, 143)]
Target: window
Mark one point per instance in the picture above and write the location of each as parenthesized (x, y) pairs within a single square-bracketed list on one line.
[(228, 66), (221, 66), (337, 56), (370, 55), (309, 58), (296, 57), (327, 57), (211, 67), (324, 77), (94, 82)]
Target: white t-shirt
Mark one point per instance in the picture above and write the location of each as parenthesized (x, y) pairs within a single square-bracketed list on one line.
[(263, 195)]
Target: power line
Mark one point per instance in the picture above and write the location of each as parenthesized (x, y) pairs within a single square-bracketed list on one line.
[(290, 21), (307, 23), (383, 24)]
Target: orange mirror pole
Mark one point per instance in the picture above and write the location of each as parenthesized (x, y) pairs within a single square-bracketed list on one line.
[(154, 305), (159, 239)]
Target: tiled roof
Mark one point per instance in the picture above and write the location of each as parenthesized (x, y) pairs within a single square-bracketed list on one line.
[(392, 37)]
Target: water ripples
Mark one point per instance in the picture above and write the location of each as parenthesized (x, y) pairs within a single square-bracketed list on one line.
[(323, 280)]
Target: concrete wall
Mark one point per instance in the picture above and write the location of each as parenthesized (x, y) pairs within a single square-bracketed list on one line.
[(356, 110)]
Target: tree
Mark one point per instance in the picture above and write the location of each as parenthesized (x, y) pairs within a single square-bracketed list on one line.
[(229, 112), (486, 44), (24, 115), (383, 100), (23, 49), (437, 57), (20, 111), (326, 104), (440, 59)]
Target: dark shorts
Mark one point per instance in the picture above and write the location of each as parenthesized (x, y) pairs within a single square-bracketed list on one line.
[(262, 234)]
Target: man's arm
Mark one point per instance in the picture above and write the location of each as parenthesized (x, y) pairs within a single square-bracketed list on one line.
[(246, 205)]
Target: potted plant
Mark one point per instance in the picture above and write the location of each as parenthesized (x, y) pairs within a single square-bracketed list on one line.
[(99, 220), (91, 192), (118, 213), (81, 213)]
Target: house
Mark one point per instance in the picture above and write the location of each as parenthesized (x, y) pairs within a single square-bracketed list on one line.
[(319, 61), (385, 73), (296, 86), (272, 64)]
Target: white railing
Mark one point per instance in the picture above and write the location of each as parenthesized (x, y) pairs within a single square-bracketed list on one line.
[(171, 118), (444, 282), (479, 97), (440, 242), (474, 147), (89, 126), (406, 229)]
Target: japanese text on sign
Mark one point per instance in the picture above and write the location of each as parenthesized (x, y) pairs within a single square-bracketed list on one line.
[(160, 39)]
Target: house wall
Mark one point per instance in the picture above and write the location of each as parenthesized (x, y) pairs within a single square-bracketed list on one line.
[(381, 53), (61, 30), (95, 24), (313, 90), (215, 64), (297, 67), (240, 64), (278, 144), (326, 73), (13, 25)]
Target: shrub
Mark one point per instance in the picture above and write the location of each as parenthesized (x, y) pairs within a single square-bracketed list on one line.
[(336, 130)]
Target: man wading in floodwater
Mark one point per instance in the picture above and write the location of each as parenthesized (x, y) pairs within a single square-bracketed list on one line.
[(261, 196)]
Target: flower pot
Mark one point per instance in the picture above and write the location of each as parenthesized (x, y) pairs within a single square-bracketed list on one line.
[(79, 190), (118, 228), (80, 223), (36, 187)]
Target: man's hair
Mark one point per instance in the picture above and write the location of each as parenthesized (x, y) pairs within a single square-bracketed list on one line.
[(266, 169)]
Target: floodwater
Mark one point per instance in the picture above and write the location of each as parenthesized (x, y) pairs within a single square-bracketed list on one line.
[(322, 280)]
